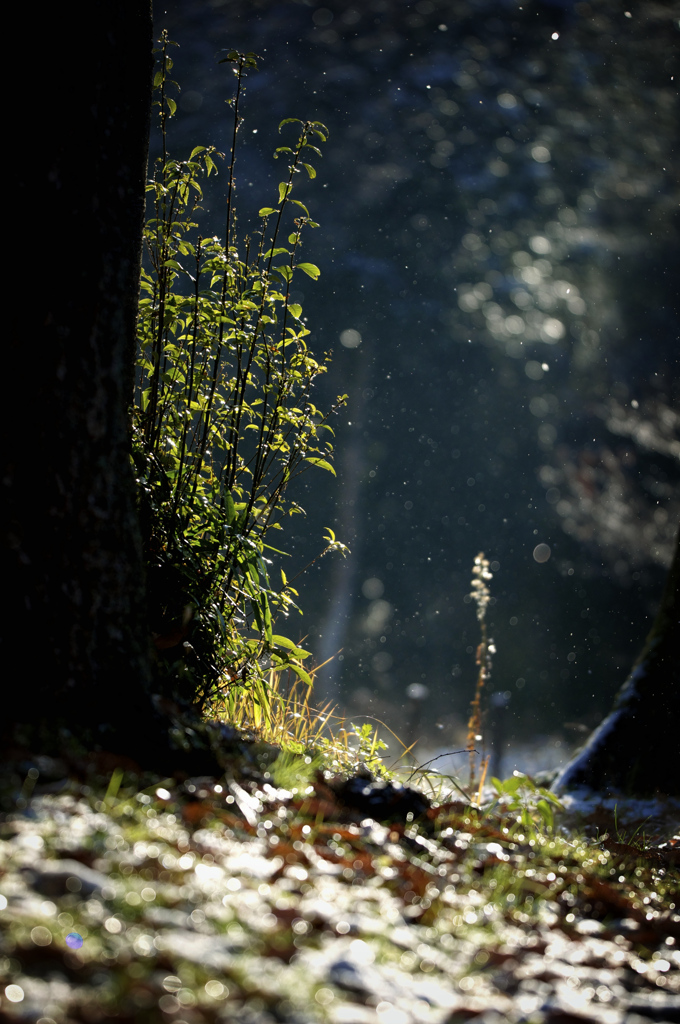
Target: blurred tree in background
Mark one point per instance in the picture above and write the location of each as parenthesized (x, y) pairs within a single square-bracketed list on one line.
[(635, 749)]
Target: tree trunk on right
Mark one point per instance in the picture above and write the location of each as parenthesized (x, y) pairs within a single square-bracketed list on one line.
[(636, 750)]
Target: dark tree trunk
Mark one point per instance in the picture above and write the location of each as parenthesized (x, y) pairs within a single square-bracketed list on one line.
[(75, 629), (74, 638), (636, 749)]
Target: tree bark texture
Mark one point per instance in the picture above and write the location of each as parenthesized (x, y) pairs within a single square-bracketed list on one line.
[(636, 749), (75, 629)]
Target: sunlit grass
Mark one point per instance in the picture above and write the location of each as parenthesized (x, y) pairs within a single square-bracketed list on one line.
[(278, 710)]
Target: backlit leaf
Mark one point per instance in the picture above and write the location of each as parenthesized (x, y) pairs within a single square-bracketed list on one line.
[(310, 269), (322, 464)]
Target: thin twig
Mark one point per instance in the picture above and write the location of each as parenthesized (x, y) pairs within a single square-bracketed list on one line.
[(449, 753)]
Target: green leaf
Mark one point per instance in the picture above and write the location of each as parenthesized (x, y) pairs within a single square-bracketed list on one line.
[(322, 464), (285, 272), (310, 269), (283, 641), (266, 618), (289, 120), (512, 784), (295, 310), (269, 547), (310, 170), (229, 508), (284, 189), (551, 797), (172, 106), (300, 672), (232, 56), (257, 612), (266, 211), (196, 150), (546, 812)]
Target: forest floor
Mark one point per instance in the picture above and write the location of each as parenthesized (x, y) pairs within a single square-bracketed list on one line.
[(272, 895)]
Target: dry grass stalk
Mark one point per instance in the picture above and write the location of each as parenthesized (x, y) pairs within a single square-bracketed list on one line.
[(481, 595)]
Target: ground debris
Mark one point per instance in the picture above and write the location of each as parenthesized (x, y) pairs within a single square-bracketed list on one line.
[(210, 900)]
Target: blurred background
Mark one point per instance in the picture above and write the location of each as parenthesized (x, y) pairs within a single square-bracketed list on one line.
[(498, 240)]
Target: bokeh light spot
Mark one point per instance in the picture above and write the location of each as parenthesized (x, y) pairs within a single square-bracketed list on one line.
[(541, 553), (350, 338), (541, 154), (41, 936), (373, 588), (552, 330), (540, 244)]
